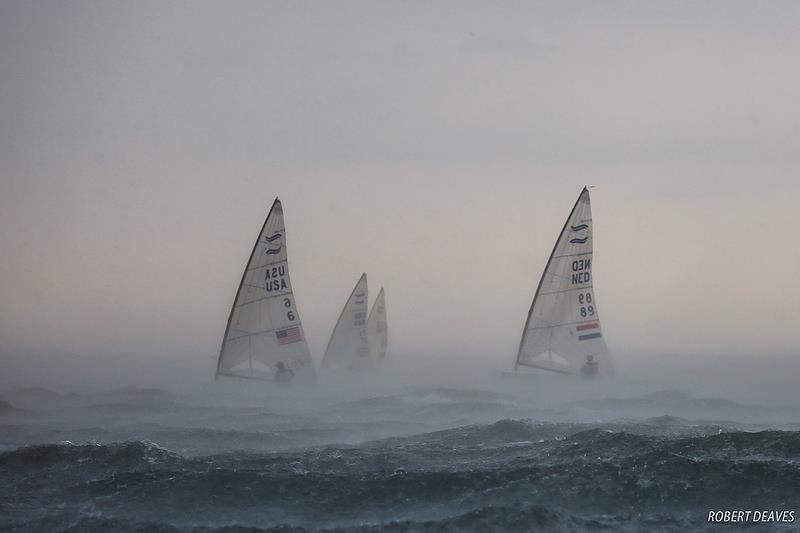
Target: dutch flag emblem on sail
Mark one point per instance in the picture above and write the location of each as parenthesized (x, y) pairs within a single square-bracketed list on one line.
[(588, 331)]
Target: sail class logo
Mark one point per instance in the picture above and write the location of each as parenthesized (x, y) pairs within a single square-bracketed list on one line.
[(270, 241), (579, 240)]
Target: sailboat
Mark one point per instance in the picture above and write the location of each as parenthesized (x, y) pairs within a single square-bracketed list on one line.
[(377, 329), (264, 331), (348, 347), (562, 332)]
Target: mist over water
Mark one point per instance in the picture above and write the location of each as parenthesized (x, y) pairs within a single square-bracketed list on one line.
[(757, 378)]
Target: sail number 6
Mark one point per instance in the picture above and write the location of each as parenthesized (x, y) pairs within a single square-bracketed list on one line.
[(287, 303)]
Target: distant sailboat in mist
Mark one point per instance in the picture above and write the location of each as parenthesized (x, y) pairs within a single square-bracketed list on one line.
[(264, 329), (348, 348), (562, 333), (378, 330)]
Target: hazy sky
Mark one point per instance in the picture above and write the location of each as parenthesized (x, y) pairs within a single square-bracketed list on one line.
[(436, 147)]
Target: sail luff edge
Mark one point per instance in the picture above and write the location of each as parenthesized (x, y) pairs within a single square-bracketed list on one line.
[(544, 273), (241, 282)]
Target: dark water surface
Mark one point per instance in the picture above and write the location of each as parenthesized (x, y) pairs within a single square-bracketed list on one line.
[(429, 459)]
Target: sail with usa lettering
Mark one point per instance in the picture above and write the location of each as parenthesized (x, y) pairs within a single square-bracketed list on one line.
[(264, 338)]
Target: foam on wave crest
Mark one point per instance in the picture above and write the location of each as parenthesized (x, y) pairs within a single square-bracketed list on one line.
[(66, 454)]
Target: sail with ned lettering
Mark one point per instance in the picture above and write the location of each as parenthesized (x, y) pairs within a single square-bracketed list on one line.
[(562, 332)]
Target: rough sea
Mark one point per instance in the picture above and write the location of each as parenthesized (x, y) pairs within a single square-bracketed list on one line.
[(519, 456)]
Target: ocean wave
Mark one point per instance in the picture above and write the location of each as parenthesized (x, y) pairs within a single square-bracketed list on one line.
[(509, 475), (570, 438), (66, 455)]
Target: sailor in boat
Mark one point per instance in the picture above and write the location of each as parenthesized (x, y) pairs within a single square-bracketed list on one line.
[(590, 367), (283, 373)]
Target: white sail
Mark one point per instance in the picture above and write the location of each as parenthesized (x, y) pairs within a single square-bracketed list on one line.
[(563, 326), (264, 326), (377, 329), (348, 348)]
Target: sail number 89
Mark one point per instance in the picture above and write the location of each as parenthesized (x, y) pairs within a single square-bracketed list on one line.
[(586, 310), (287, 303)]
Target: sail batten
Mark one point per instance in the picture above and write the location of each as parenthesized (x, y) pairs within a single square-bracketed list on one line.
[(264, 326), (348, 346), (563, 322)]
